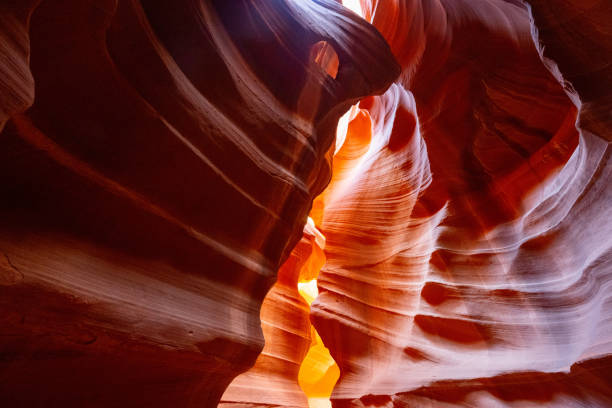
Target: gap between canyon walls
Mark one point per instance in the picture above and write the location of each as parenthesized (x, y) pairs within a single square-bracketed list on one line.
[(295, 369), (319, 371), (394, 297), (295, 362), (159, 162)]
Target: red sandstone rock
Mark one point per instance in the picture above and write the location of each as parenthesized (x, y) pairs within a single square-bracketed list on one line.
[(467, 256), (161, 176), (576, 36), (159, 160), (273, 380), (16, 82)]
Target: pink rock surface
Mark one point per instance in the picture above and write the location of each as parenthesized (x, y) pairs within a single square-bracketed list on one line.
[(159, 161), (467, 250)]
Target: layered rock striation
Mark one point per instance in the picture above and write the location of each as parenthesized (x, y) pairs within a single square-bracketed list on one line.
[(467, 251), (159, 161)]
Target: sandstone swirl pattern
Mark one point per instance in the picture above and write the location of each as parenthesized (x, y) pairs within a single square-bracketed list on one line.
[(158, 163), (468, 247), (160, 159)]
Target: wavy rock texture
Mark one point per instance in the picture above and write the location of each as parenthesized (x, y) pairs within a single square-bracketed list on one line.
[(162, 174), (576, 35), (273, 380), (160, 159), (468, 248), (16, 82)]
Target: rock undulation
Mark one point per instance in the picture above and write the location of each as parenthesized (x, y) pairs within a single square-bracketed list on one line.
[(159, 161), (273, 380), (467, 260)]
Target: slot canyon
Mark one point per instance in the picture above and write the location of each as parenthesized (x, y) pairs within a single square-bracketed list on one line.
[(305, 203)]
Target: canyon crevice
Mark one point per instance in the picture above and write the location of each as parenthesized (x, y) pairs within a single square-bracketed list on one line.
[(180, 180)]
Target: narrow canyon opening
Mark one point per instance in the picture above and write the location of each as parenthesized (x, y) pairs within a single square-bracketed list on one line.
[(318, 371), (179, 229), (295, 359)]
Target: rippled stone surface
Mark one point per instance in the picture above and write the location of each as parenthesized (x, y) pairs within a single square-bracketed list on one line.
[(160, 160), (158, 163), (273, 380), (468, 257)]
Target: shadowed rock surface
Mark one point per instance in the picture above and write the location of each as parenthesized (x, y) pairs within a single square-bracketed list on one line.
[(160, 159)]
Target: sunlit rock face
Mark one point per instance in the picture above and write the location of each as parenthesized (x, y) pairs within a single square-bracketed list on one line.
[(158, 163), (468, 247), (273, 380)]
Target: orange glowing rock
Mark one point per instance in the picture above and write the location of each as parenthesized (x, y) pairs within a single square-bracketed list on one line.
[(164, 206), (287, 332), (451, 239), (355, 129), (318, 372), (294, 367)]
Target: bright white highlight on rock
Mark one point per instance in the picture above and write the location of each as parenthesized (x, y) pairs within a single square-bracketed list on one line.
[(343, 127), (309, 290), (319, 403), (354, 5)]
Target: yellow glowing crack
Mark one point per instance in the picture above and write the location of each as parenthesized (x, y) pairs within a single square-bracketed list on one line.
[(318, 372)]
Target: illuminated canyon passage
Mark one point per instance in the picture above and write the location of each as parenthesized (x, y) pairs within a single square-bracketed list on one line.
[(305, 203)]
